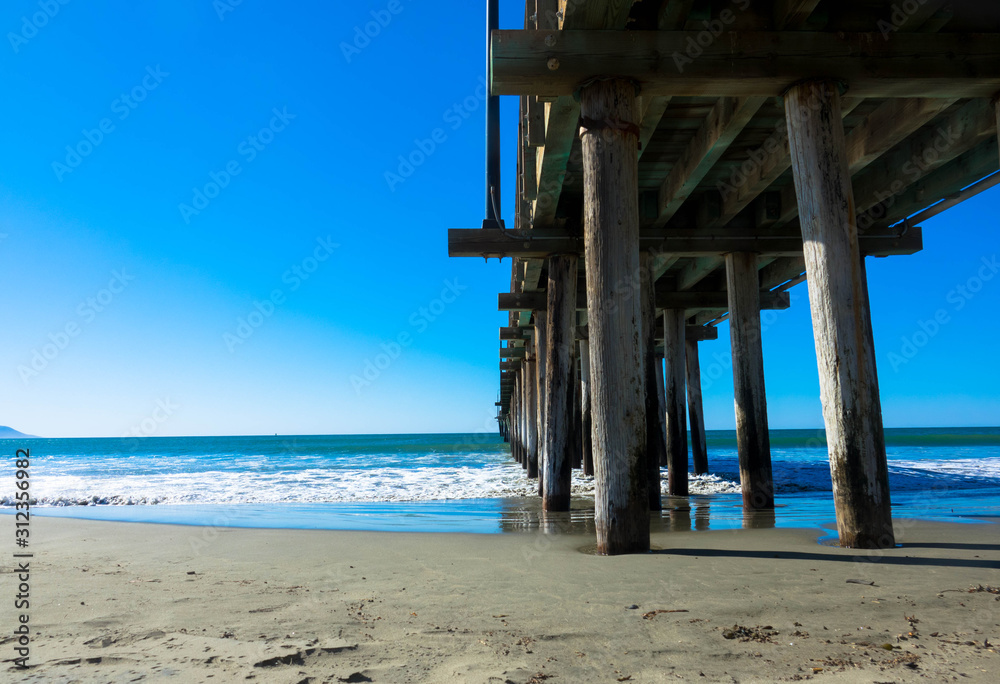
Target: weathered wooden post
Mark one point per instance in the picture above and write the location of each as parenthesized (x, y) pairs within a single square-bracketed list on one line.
[(541, 345), (577, 430), (699, 448), (838, 298), (522, 417), (752, 439), (676, 416), (531, 413), (586, 423), (656, 447), (611, 244), (661, 407), (560, 330), (515, 412)]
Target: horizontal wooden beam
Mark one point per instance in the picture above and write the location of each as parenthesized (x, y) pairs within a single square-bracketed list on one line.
[(512, 352), (746, 64), (700, 333), (536, 301), (479, 242)]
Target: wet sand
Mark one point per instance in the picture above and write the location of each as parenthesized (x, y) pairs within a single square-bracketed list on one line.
[(120, 602)]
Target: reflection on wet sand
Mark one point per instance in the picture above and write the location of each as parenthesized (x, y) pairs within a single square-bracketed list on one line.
[(679, 514)]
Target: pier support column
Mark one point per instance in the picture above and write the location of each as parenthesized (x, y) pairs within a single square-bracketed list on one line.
[(838, 298), (609, 120), (655, 446), (560, 331), (531, 413), (661, 407), (577, 429), (752, 439), (540, 357), (676, 416), (515, 418), (586, 424), (699, 448), (522, 413)]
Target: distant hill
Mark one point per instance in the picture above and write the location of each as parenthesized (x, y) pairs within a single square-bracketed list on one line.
[(10, 433)]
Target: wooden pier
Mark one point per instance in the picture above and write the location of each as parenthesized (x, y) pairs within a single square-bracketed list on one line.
[(685, 162)]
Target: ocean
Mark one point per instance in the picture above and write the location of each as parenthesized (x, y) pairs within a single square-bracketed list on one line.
[(463, 482)]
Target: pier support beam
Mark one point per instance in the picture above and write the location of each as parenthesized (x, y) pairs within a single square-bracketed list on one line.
[(752, 439), (560, 332), (514, 446), (699, 448), (655, 446), (531, 414), (586, 423), (838, 298), (577, 431), (611, 244), (540, 357), (676, 416)]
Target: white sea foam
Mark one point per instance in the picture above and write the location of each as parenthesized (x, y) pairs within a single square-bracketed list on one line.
[(313, 486), (972, 468)]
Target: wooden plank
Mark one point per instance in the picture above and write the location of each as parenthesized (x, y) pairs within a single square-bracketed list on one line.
[(883, 129), (748, 63), (676, 415), (723, 124), (673, 14), (561, 120), (537, 244), (512, 352), (652, 112), (594, 14), (611, 229), (699, 333), (536, 301), (838, 297), (792, 13), (920, 155), (752, 440), (762, 168)]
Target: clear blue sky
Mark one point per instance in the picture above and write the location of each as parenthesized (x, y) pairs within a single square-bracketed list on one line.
[(140, 299)]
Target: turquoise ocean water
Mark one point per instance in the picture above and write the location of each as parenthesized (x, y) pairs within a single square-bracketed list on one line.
[(460, 482)]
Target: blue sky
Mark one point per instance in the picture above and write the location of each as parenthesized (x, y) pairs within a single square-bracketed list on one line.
[(198, 234)]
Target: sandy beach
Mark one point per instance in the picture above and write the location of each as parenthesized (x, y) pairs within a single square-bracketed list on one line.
[(122, 602)]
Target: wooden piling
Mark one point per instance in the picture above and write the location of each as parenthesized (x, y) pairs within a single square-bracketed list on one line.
[(540, 359), (531, 413), (560, 331), (752, 439), (523, 413), (676, 416), (699, 448), (611, 245), (586, 422), (838, 298), (656, 448), (577, 427), (661, 408)]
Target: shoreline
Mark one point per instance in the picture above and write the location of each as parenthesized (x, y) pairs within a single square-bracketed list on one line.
[(119, 601)]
